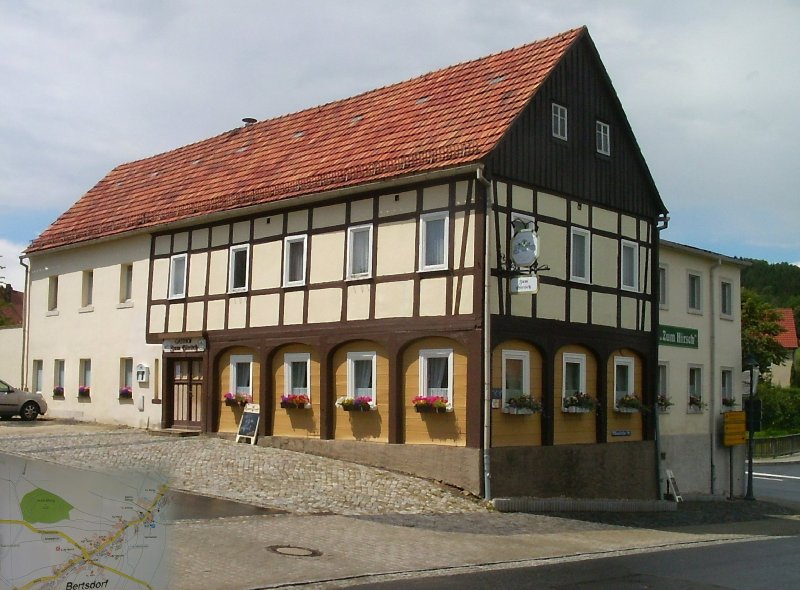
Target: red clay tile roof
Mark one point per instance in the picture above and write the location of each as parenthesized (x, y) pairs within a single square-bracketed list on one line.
[(446, 118), (787, 338)]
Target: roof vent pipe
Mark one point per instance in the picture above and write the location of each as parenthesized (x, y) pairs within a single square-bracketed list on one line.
[(248, 121)]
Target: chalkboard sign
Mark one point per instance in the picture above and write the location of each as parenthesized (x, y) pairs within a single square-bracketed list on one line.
[(248, 425)]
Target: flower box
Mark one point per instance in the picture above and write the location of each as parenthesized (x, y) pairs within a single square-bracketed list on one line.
[(579, 403), (663, 409), (576, 410), (355, 404), (238, 399), (428, 409), (294, 401), (357, 408), (294, 406), (518, 411), (625, 410), (58, 391), (84, 391), (125, 393)]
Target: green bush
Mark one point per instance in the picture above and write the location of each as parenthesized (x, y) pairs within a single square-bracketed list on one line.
[(780, 407)]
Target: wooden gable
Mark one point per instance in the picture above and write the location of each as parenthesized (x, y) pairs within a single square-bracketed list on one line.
[(529, 153)]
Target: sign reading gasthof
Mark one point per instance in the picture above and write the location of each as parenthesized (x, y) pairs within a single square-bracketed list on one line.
[(676, 336)]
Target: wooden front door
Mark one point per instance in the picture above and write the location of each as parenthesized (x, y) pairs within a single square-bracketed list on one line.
[(187, 392)]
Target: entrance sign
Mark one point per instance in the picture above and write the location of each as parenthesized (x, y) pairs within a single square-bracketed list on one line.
[(184, 345), (248, 425), (525, 284)]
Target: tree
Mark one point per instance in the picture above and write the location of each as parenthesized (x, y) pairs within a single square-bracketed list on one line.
[(760, 328)]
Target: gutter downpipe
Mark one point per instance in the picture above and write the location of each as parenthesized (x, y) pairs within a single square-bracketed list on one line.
[(713, 377), (25, 322), (662, 223), (487, 336)]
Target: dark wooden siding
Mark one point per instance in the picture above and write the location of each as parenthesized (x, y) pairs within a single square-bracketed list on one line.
[(531, 154)]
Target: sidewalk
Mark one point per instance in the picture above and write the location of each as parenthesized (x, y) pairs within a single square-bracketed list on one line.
[(346, 524)]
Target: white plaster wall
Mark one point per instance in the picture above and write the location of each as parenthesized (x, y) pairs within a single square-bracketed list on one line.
[(107, 333), (11, 356)]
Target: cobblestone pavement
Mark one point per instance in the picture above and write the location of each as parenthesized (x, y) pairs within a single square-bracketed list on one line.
[(261, 476)]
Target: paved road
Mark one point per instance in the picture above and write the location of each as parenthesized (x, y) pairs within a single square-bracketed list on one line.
[(778, 482), (758, 565)]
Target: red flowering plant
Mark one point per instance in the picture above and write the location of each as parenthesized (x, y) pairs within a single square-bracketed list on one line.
[(428, 403), (361, 403), (295, 401), (125, 392)]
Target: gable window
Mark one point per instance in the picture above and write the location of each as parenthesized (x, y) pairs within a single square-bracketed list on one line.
[(297, 374), (361, 375), (238, 267), (177, 276), (294, 261), (433, 241), (603, 138), (516, 374), (662, 287), (241, 375), (559, 121), (125, 283), (623, 377), (629, 266), (581, 255), (87, 288), (38, 375), (359, 252), (695, 301), (574, 374), (436, 374), (52, 294), (726, 299)]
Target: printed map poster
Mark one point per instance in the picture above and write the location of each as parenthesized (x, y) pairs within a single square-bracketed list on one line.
[(67, 529)]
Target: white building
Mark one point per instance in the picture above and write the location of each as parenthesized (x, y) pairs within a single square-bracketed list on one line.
[(699, 366)]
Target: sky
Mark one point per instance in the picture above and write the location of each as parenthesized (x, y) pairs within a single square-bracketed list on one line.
[(710, 89)]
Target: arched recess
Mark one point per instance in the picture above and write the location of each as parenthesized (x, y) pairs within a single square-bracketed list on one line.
[(520, 364), (625, 374), (296, 370), (425, 364), (575, 370), (354, 362), (238, 369)]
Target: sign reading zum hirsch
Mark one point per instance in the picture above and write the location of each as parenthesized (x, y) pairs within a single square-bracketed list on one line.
[(675, 336)]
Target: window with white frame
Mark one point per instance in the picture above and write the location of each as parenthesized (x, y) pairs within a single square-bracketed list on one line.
[(241, 375), (238, 268), (58, 373), (294, 261), (85, 367), (629, 266), (623, 377), (38, 375), (87, 288), (603, 138), (661, 381), (177, 276), (581, 255), (726, 384), (662, 287), (436, 373), (559, 121), (297, 374), (695, 301), (52, 293), (359, 252), (516, 374), (574, 374), (433, 241), (126, 372), (695, 386), (361, 368), (726, 299), (125, 283)]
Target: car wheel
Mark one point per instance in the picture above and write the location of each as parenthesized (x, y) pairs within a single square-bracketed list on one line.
[(29, 411)]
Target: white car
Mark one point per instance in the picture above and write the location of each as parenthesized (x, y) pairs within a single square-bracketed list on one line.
[(17, 402)]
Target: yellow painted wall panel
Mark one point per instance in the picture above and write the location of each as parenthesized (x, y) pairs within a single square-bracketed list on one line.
[(372, 426), (296, 422), (574, 428)]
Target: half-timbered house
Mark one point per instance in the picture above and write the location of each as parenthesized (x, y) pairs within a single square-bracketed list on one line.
[(478, 236)]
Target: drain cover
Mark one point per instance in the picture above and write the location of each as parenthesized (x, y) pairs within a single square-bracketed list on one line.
[(294, 551)]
